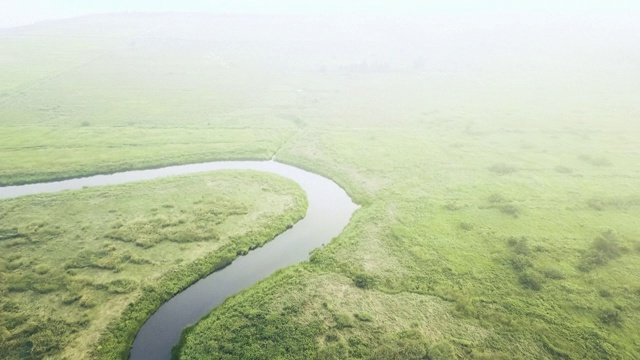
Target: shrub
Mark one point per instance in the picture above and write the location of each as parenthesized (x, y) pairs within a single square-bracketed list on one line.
[(333, 351), (595, 161), (363, 317), (509, 209), (530, 280), (604, 293), (452, 206), (619, 203), (590, 260), (608, 243), (70, 298), (121, 286), (624, 202), (501, 203), (596, 204), (519, 246), (332, 336), (563, 169), (556, 351), (17, 287), (466, 226), (502, 168), (464, 306), (553, 273), (521, 263), (45, 287), (6, 234), (11, 306), (88, 301), (604, 247), (343, 321), (442, 350), (16, 264), (364, 281), (610, 316), (496, 198), (138, 260), (409, 344)]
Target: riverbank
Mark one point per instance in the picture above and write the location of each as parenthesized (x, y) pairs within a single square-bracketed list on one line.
[(498, 179), (73, 261)]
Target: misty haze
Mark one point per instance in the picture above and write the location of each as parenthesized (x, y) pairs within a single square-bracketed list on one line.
[(446, 185)]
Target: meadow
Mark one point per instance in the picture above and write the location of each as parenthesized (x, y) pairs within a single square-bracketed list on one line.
[(540, 261), (497, 173), (82, 270)]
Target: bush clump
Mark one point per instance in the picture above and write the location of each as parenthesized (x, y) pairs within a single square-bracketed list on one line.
[(530, 280), (509, 209), (596, 204), (563, 169), (553, 273), (618, 203), (605, 293), (442, 350), (343, 321), (496, 198), (409, 345), (610, 316), (520, 245), (365, 317), (502, 169), (504, 205), (595, 161), (6, 234), (605, 247), (466, 226), (452, 206), (364, 281), (121, 286), (521, 263)]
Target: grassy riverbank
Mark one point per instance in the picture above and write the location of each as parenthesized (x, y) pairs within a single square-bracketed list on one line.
[(496, 245), (77, 100), (82, 270), (498, 180), (35, 153)]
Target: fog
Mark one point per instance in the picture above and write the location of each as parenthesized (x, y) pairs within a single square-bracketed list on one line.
[(556, 65), (492, 148), (23, 12)]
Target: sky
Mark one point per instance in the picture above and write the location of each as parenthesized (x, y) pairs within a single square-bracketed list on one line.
[(24, 12)]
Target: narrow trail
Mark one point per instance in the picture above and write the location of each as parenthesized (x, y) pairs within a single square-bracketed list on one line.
[(286, 142)]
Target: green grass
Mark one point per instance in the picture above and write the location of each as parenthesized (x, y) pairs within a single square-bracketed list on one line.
[(499, 188), (517, 284), (514, 278), (33, 154), (82, 270)]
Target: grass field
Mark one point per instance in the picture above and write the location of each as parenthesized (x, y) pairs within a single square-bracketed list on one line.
[(89, 266), (32, 154), (498, 179), (518, 254)]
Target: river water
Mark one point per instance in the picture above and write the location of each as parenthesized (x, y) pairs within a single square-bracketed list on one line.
[(329, 211)]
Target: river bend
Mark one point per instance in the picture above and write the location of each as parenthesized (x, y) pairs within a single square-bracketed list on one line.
[(329, 211)]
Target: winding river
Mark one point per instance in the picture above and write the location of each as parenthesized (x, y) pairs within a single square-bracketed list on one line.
[(329, 211)]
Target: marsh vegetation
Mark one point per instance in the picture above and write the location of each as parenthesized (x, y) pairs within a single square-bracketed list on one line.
[(82, 270), (495, 159)]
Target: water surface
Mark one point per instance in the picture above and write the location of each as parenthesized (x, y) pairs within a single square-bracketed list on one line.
[(329, 211)]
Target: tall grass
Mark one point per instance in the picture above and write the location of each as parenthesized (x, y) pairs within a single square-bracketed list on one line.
[(115, 256)]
